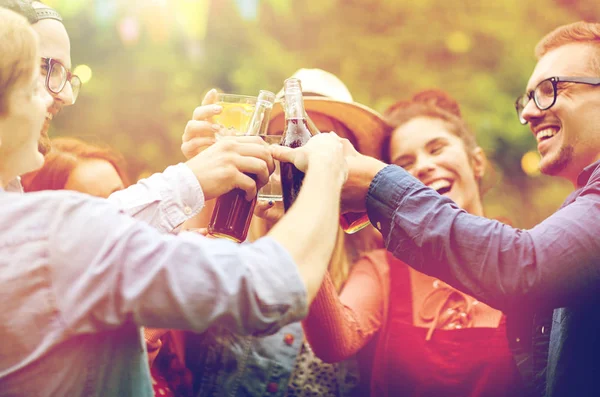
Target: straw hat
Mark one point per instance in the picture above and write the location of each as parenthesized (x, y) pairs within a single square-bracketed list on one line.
[(324, 93)]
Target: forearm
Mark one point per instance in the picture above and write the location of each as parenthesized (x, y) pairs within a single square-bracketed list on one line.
[(202, 219), (129, 271), (552, 265), (334, 330), (308, 230)]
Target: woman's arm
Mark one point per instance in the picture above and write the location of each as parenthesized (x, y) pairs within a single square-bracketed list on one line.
[(339, 325)]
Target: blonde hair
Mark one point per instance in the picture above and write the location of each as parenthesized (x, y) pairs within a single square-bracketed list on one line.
[(18, 53), (577, 32)]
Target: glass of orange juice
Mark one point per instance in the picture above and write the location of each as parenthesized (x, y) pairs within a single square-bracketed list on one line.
[(236, 114)]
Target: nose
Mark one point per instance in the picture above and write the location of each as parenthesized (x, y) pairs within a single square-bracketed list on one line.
[(423, 167), (531, 112), (66, 95)]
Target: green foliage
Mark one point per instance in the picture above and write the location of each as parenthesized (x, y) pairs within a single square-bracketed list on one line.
[(142, 93)]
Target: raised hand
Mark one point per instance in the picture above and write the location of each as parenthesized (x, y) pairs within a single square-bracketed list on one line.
[(200, 131), (327, 148), (225, 166)]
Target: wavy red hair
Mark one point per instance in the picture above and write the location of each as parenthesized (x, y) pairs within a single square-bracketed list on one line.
[(65, 155)]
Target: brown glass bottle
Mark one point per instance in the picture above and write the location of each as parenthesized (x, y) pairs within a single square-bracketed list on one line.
[(295, 134), (352, 222), (232, 213)]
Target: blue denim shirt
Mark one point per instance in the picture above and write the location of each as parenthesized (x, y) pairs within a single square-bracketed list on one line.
[(553, 266)]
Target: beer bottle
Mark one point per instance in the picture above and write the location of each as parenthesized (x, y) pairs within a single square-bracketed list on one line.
[(232, 213), (295, 134)]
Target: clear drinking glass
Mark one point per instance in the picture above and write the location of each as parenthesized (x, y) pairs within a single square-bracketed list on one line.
[(272, 190), (236, 115)]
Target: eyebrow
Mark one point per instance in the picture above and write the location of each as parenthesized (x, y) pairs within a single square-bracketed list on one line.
[(427, 145), (62, 62), (436, 140), (401, 157)]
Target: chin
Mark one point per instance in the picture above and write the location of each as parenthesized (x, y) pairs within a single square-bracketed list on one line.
[(555, 165)]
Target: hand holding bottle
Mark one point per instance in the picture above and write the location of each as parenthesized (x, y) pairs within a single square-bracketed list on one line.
[(327, 150), (225, 166)]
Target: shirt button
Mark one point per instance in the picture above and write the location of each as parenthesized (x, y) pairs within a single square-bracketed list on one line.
[(187, 210), (378, 224), (288, 339), (543, 330), (272, 387), (518, 340)]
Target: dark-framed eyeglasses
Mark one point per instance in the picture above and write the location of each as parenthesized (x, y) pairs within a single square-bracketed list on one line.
[(57, 76), (544, 94)]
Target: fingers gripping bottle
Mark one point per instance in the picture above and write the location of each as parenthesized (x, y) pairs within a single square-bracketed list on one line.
[(295, 134), (232, 213)]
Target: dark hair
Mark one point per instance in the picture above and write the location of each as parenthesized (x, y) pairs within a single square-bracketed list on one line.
[(432, 103)]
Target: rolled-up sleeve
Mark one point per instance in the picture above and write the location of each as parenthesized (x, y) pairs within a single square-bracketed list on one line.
[(110, 269), (164, 200), (552, 265)]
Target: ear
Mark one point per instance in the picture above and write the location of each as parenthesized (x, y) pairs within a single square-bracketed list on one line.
[(478, 162)]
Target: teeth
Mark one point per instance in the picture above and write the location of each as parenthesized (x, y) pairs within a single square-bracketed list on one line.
[(439, 184), (546, 133)]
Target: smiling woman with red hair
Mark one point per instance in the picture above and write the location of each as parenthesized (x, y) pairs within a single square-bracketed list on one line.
[(428, 338)]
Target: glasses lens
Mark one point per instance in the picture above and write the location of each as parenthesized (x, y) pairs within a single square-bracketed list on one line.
[(57, 78), (520, 104), (544, 94), (75, 86)]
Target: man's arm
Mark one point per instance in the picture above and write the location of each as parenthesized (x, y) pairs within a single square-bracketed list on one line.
[(308, 230), (166, 200), (109, 269), (552, 265)]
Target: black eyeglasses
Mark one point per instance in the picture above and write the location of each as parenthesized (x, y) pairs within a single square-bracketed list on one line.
[(544, 94), (57, 76)]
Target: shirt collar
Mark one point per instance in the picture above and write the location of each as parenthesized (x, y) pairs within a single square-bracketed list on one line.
[(15, 186), (585, 175)]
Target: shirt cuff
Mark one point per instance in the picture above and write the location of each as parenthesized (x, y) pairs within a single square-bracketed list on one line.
[(190, 200), (284, 296), (385, 195)]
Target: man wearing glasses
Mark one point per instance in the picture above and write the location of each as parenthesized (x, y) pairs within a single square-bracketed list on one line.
[(164, 200), (547, 279)]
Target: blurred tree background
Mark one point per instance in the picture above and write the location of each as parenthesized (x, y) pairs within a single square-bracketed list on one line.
[(148, 63)]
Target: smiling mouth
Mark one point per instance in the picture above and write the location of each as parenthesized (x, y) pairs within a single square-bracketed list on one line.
[(442, 186), (546, 134)]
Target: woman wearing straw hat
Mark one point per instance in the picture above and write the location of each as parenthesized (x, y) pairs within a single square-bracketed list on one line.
[(429, 339), (283, 364)]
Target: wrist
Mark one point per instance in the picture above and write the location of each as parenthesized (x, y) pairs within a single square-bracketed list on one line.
[(327, 166), (362, 170)]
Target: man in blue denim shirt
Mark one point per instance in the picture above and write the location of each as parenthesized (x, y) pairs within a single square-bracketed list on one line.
[(525, 273)]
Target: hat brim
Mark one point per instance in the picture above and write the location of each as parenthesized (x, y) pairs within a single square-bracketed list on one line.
[(367, 125)]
